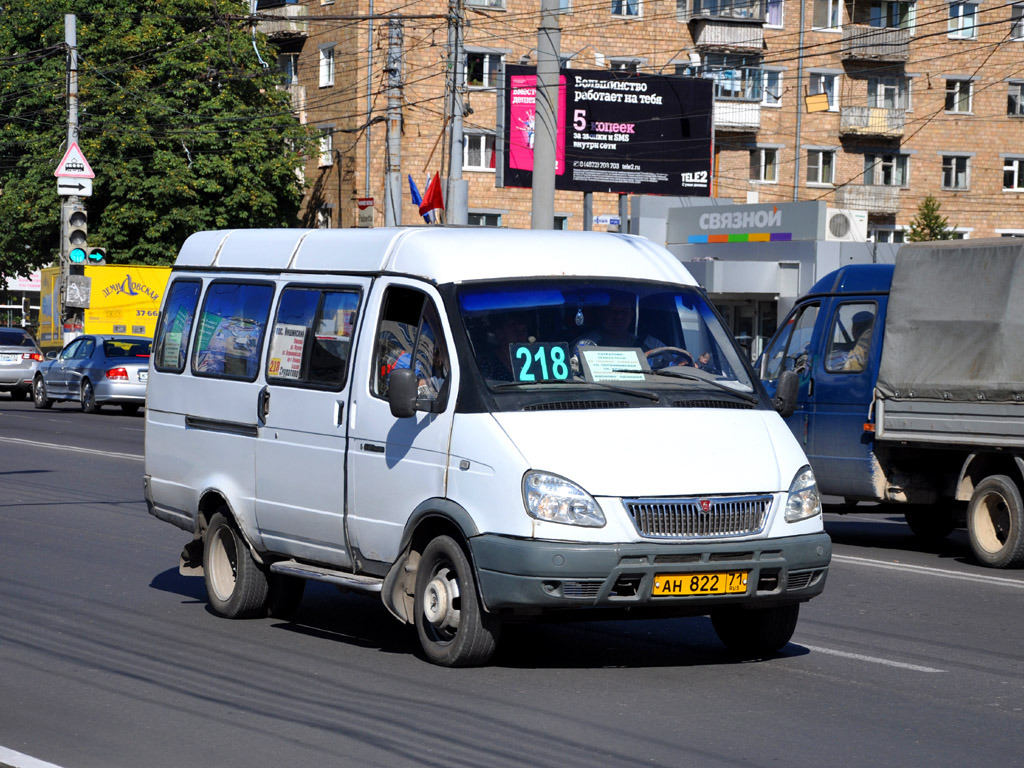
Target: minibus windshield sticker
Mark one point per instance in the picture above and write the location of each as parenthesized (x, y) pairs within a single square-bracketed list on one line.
[(613, 364), (286, 350), (540, 362)]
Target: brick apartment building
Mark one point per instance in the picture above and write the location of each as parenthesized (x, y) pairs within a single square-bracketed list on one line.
[(913, 98)]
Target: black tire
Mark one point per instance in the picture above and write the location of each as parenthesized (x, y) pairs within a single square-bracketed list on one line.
[(995, 523), (88, 402), (453, 628), (235, 584), (19, 394), (284, 594), (129, 409), (931, 523), (757, 632), (39, 398)]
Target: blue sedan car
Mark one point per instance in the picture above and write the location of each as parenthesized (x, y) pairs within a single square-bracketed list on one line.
[(96, 371)]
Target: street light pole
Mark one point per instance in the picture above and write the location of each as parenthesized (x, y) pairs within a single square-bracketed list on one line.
[(542, 211)]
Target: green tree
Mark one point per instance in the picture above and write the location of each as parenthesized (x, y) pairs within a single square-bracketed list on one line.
[(928, 224), (184, 126)]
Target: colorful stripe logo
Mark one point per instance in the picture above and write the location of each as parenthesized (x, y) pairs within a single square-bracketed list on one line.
[(743, 237)]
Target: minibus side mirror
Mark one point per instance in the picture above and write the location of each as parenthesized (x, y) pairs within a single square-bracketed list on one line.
[(402, 393), (786, 394)]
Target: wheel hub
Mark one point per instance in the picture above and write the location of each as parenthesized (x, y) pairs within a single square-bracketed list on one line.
[(439, 602)]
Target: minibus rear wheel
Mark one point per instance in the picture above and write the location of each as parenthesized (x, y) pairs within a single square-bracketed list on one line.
[(453, 628), (235, 584)]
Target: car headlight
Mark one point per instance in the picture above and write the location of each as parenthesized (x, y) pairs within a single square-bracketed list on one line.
[(556, 500), (803, 500)]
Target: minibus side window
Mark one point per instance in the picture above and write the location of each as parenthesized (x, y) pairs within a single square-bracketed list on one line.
[(171, 346), (231, 327), (410, 330), (312, 337)]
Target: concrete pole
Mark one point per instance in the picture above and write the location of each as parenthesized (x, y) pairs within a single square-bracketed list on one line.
[(456, 203), (393, 178), (549, 43), (624, 214), (588, 211), (369, 100)]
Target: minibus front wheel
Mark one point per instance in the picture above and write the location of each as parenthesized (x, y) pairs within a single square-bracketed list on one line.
[(453, 628), (235, 584)]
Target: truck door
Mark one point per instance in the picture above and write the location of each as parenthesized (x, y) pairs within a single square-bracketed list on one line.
[(791, 349), (396, 464), (300, 451), (843, 382)]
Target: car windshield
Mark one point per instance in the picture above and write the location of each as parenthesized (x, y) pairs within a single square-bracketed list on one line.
[(126, 347), (15, 337), (628, 337)]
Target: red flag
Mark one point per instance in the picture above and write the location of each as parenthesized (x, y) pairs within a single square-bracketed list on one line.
[(432, 198)]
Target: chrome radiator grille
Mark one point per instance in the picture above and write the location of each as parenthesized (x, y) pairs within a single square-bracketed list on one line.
[(699, 518)]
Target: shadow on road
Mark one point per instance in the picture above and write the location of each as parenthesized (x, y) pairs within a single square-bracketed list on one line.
[(890, 532)]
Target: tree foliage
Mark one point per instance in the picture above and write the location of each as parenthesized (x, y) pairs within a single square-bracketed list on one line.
[(184, 127), (928, 224)]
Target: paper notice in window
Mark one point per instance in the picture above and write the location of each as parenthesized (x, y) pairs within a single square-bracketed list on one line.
[(609, 364), (286, 351)]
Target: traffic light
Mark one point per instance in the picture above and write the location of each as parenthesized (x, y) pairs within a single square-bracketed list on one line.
[(76, 230), (96, 256)]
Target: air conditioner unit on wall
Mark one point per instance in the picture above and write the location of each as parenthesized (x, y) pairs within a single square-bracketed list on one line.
[(845, 225)]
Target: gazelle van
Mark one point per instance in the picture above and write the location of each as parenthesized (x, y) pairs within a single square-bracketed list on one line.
[(479, 426)]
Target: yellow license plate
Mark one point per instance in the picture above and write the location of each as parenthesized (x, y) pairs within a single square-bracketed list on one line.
[(682, 584)]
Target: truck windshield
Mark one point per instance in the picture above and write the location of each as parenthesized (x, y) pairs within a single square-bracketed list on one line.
[(606, 333)]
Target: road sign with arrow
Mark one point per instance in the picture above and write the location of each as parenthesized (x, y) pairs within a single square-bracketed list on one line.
[(80, 187)]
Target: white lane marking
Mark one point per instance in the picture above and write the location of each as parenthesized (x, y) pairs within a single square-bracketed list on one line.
[(940, 572), (872, 659), (18, 760), (132, 456)]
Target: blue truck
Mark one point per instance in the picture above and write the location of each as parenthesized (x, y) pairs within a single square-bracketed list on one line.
[(911, 388)]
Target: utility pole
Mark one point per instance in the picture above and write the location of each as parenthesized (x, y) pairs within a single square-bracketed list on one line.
[(69, 202), (456, 204), (393, 157), (549, 42)]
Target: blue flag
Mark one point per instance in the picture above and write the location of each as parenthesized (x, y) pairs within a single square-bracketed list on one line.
[(417, 199)]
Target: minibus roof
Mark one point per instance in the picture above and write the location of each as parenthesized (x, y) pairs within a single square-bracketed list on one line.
[(437, 254)]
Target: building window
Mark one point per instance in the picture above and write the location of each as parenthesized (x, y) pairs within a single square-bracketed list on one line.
[(624, 65), (561, 223), (484, 219), (288, 63), (1017, 22), (894, 15), (963, 19), (821, 165), (478, 152), (887, 235), (1013, 174), (736, 77), (1015, 103), (822, 82), (958, 95), (326, 147), (482, 69), (323, 217), (764, 165), (772, 90), (773, 13), (625, 7), (885, 170), (955, 172), (499, 4), (826, 14), (887, 92), (327, 66)]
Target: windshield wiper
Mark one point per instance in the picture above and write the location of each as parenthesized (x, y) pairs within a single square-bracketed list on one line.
[(603, 385), (675, 373)]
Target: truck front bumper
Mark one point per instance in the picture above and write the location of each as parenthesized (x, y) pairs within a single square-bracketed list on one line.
[(528, 576)]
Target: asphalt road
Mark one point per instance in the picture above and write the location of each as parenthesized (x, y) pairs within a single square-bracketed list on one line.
[(109, 658)]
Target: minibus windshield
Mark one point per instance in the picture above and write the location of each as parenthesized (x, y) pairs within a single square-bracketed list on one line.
[(642, 335)]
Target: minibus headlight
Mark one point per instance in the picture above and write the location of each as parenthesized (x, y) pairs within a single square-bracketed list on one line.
[(803, 500), (556, 500)]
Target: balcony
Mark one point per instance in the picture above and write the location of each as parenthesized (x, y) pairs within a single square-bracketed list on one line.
[(722, 10), (861, 41), (298, 94), (289, 22), (873, 198), (737, 116), (734, 36), (872, 121)]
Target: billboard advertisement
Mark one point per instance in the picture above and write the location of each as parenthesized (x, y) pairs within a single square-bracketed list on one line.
[(617, 132)]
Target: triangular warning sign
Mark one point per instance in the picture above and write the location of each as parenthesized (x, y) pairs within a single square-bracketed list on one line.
[(74, 165)]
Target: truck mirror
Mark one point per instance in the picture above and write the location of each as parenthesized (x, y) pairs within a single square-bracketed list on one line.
[(402, 393), (786, 393)]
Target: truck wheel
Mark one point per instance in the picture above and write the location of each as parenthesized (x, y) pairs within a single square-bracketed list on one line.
[(39, 398), (453, 628), (931, 524), (757, 632), (235, 584), (89, 404), (995, 522)]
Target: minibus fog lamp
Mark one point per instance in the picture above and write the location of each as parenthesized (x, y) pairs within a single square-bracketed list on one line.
[(556, 500)]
